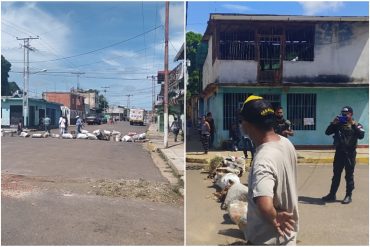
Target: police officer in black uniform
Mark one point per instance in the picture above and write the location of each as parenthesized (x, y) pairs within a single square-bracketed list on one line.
[(346, 133), (282, 126)]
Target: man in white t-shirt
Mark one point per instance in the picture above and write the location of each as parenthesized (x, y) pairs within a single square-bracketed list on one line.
[(272, 217), (62, 125)]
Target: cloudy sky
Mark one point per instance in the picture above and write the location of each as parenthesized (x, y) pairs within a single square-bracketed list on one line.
[(116, 44), (198, 12)]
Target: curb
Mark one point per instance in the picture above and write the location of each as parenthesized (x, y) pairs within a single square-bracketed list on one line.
[(331, 160), (360, 160), (169, 161)]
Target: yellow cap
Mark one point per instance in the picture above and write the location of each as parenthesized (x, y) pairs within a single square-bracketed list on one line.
[(252, 97)]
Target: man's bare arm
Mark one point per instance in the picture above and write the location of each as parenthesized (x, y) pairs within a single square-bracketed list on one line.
[(281, 220)]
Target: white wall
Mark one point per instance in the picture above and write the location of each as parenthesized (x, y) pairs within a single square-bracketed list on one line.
[(236, 71), (336, 53), (208, 67)]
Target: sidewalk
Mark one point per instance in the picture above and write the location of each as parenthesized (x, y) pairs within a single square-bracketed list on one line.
[(174, 154), (194, 154)]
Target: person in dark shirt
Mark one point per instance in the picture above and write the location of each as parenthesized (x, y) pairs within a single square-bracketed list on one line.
[(211, 123), (19, 127), (346, 134), (234, 134), (282, 126)]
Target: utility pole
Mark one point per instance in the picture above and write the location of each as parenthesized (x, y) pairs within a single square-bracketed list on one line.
[(153, 77), (26, 77), (105, 96), (128, 100), (78, 78), (165, 100)]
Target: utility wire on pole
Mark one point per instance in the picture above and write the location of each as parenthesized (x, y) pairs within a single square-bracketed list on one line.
[(26, 77), (153, 77), (78, 78), (105, 96), (165, 101), (128, 100)]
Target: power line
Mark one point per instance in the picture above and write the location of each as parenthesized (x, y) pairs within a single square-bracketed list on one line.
[(118, 56), (99, 49), (91, 77), (173, 46), (44, 43)]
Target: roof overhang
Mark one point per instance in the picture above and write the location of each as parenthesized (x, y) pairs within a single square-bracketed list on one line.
[(180, 54), (215, 17)]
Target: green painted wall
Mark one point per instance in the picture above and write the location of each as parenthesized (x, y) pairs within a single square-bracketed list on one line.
[(328, 105), (38, 104)]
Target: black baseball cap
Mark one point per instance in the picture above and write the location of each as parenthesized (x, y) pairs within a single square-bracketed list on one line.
[(258, 111), (347, 109)]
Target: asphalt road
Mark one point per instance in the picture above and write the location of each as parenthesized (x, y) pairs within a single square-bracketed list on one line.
[(78, 158), (320, 223), (49, 185)]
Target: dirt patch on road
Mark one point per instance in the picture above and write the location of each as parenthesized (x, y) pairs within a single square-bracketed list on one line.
[(15, 187), (19, 186), (139, 189)]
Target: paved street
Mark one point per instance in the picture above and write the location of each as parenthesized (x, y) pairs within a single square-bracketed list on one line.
[(320, 223), (84, 192)]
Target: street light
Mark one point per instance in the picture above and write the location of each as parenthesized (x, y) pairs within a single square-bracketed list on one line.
[(25, 99)]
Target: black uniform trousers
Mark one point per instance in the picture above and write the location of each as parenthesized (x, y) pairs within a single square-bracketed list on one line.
[(343, 160)]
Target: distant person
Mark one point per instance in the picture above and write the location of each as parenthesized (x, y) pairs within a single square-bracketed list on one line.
[(47, 122), (62, 125), (79, 124), (247, 145), (19, 127), (189, 125), (282, 126), (205, 134), (211, 123), (234, 135), (175, 128), (272, 196), (346, 134), (66, 124)]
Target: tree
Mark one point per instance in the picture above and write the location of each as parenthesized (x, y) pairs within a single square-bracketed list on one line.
[(13, 87), (5, 68), (193, 41), (103, 103)]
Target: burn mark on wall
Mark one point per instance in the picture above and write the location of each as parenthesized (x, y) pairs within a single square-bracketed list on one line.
[(323, 78)]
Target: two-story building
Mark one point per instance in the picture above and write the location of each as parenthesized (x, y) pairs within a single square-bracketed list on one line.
[(310, 65), (74, 102), (91, 100)]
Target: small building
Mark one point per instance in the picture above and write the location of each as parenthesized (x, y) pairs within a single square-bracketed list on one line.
[(11, 111), (310, 65), (117, 112), (91, 99), (74, 102)]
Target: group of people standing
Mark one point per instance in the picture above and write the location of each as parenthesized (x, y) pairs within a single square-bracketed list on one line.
[(63, 125), (239, 139)]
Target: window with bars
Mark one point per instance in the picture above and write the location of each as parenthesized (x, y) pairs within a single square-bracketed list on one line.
[(299, 44), (232, 105), (234, 101), (237, 45), (301, 111), (274, 99)]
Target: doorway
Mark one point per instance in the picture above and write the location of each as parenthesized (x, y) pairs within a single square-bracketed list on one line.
[(269, 58)]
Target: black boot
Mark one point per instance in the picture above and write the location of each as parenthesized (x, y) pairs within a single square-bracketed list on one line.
[(329, 198), (347, 199)]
